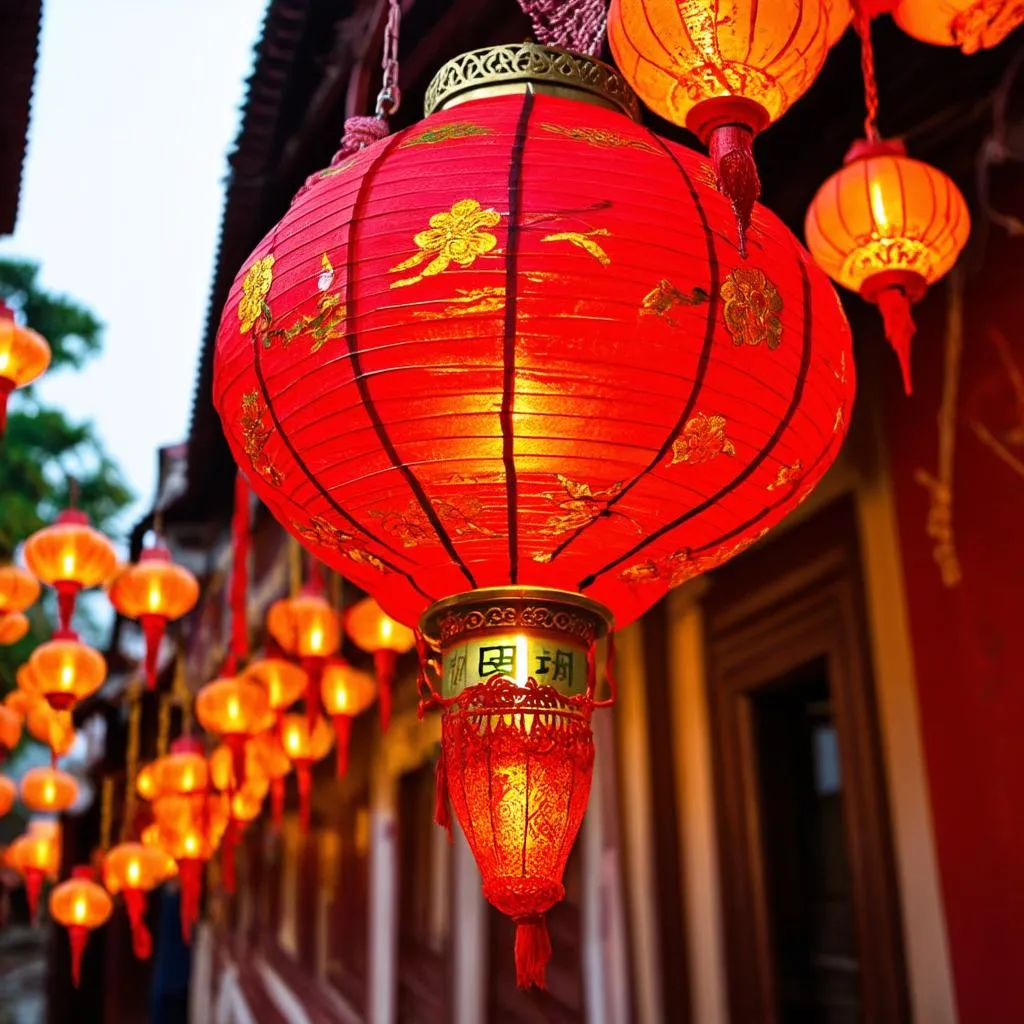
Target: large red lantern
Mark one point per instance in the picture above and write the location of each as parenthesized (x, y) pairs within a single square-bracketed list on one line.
[(81, 905), (511, 376)]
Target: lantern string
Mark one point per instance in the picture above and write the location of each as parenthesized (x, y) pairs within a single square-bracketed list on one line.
[(106, 811), (131, 758), (867, 67), (577, 25)]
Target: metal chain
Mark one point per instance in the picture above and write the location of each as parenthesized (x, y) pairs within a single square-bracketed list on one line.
[(867, 68), (390, 96)]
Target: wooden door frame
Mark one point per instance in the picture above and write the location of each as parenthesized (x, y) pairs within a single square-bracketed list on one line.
[(787, 603)]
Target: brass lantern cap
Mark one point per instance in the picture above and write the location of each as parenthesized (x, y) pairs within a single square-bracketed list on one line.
[(529, 67)]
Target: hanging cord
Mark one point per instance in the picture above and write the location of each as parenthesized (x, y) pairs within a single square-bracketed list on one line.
[(131, 767), (862, 17), (576, 25)]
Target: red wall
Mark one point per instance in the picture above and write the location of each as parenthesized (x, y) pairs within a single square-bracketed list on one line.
[(968, 639)]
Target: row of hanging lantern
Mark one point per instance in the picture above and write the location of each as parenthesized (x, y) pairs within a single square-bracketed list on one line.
[(517, 407)]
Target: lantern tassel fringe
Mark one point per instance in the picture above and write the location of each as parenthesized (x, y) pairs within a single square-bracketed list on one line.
[(153, 628), (533, 951), (142, 940), (79, 936), (731, 150), (190, 874), (442, 808), (900, 328), (33, 890)]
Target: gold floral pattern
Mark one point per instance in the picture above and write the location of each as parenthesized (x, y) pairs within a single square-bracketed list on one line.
[(255, 435), (327, 324), (599, 137), (255, 286), (787, 476), (752, 308), (585, 241), (579, 505), (321, 533), (701, 439), (413, 528), (682, 565), (445, 133), (456, 236), (467, 302), (664, 297)]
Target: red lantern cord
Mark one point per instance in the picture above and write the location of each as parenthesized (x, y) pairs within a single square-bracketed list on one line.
[(135, 905), (190, 876), (342, 735), (33, 890), (864, 14), (153, 629)]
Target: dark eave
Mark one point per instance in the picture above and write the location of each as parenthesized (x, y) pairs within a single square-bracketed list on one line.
[(19, 47)]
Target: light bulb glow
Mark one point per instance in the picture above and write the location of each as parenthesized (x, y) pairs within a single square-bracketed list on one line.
[(68, 562), (387, 627), (878, 209), (79, 909), (133, 872)]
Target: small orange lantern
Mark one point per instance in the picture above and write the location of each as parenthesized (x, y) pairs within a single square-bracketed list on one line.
[(66, 670), (346, 692), (305, 746), (275, 765), (972, 25), (374, 631), (234, 709), (145, 782), (70, 556), (82, 906), (10, 730), (222, 768), (36, 857), (284, 681), (18, 589), (8, 793), (133, 870), (24, 357), (155, 592), (48, 790), (54, 728), (183, 771), (13, 627)]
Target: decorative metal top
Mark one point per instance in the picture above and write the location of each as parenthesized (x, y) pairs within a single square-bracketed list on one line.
[(523, 67)]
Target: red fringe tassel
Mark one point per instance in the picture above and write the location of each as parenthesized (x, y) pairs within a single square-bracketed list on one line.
[(533, 951), (442, 808), (900, 328)]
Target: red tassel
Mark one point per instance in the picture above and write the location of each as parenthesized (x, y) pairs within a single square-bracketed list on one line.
[(153, 627), (442, 808), (305, 787), (732, 156), (6, 387), (227, 860), (236, 744), (900, 328), (142, 940), (385, 662), (33, 890), (314, 667), (277, 801), (533, 951), (79, 936), (342, 732), (66, 594), (190, 877)]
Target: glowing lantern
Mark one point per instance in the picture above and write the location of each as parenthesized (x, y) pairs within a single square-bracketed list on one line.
[(18, 589), (70, 556), (275, 765), (284, 682), (8, 793), (972, 25), (304, 746), (346, 692), (133, 870), (725, 71), (244, 806), (887, 227), (24, 357), (183, 771), (48, 789), (222, 767), (385, 639), (13, 627), (145, 782), (235, 710), (10, 730), (66, 670), (82, 906), (54, 728), (155, 592), (36, 857)]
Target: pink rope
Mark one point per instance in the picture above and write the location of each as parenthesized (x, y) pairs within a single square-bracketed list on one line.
[(576, 25)]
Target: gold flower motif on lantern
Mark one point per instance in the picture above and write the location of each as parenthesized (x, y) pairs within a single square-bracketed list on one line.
[(255, 435), (580, 504), (598, 137), (446, 133), (682, 566), (413, 527), (320, 532), (457, 236), (752, 308), (701, 440), (664, 297), (255, 287), (787, 476)]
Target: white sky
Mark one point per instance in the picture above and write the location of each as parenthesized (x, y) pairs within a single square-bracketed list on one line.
[(136, 104)]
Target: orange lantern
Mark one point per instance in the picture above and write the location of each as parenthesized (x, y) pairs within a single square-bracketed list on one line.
[(54, 728), (18, 589), (145, 782), (48, 789), (24, 357), (70, 556), (66, 670), (374, 631), (346, 692), (724, 71), (305, 745), (36, 857), (183, 771), (82, 906), (10, 730), (306, 626), (972, 25), (154, 592), (275, 765), (284, 682), (133, 870), (8, 793), (234, 709), (13, 627), (222, 768)]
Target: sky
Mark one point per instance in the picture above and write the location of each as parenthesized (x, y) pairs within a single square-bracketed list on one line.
[(136, 105)]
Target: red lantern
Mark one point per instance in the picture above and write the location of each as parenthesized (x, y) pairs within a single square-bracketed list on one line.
[(304, 746), (24, 357), (346, 692), (18, 589), (36, 857), (134, 870), (70, 556), (972, 25), (48, 790), (66, 671), (385, 639), (155, 592), (82, 906), (236, 710)]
